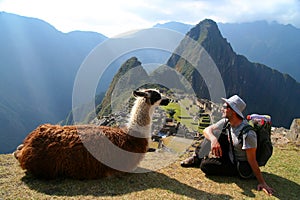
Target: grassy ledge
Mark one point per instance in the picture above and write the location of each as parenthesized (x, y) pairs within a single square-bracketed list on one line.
[(171, 182)]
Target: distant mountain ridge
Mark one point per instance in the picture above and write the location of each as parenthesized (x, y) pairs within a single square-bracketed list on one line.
[(273, 44), (38, 65)]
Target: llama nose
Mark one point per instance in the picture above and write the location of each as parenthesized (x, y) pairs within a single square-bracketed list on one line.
[(164, 102)]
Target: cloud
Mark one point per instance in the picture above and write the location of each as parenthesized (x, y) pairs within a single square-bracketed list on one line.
[(117, 16)]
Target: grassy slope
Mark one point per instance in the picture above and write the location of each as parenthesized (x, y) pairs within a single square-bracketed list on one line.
[(171, 182)]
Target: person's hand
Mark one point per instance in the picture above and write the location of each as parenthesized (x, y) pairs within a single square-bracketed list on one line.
[(216, 148), (268, 190)]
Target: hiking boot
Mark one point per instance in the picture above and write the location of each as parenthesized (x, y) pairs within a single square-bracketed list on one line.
[(193, 161)]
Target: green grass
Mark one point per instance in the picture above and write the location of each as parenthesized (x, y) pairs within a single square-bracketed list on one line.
[(175, 107), (171, 182)]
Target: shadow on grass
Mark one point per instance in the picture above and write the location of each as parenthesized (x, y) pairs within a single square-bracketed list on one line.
[(284, 188), (118, 186)]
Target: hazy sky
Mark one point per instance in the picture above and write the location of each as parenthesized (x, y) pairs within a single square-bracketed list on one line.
[(114, 17)]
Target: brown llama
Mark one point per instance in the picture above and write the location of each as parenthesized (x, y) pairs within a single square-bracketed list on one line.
[(90, 151)]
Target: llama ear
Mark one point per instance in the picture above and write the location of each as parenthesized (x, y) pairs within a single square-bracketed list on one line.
[(140, 94)]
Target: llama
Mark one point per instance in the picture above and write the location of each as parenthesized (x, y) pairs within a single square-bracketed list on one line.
[(52, 151)]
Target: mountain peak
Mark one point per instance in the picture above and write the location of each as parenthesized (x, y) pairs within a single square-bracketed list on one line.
[(126, 76), (203, 30), (129, 64)]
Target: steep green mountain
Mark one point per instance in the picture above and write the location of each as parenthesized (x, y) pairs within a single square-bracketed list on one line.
[(121, 84), (265, 90), (272, 44), (38, 65)]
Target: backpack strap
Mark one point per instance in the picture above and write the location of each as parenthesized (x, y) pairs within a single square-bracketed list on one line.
[(232, 148), (245, 130), (225, 126)]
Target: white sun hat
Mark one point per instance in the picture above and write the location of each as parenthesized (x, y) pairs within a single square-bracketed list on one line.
[(237, 104)]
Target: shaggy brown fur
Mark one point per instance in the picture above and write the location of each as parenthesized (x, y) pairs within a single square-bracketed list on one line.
[(51, 151)]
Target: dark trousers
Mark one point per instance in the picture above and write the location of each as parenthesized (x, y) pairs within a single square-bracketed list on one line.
[(220, 166)]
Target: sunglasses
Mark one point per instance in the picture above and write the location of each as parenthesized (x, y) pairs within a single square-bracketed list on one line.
[(225, 106)]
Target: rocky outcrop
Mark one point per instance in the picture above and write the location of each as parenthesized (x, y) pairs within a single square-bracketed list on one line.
[(294, 133)]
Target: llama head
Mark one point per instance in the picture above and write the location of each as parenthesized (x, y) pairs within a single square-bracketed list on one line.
[(152, 96), (141, 113)]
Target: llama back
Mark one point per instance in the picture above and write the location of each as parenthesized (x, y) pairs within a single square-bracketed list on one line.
[(51, 151)]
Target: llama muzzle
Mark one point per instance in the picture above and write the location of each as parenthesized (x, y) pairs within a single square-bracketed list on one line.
[(164, 102)]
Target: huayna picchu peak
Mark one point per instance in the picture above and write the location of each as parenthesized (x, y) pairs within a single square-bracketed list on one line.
[(264, 89)]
